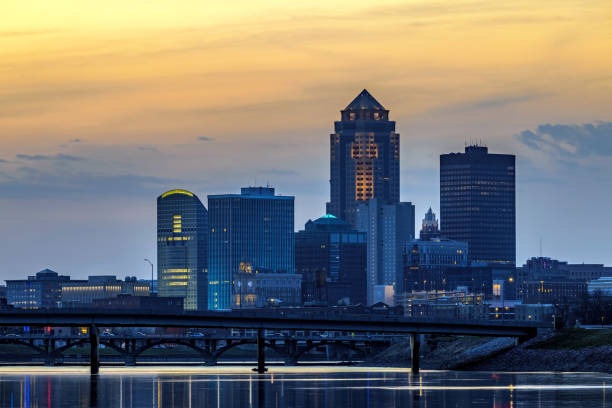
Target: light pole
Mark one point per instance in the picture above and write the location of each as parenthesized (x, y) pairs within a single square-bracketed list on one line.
[(150, 263)]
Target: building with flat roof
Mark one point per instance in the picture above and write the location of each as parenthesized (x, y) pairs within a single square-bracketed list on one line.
[(250, 232), (182, 244), (364, 158), (389, 227), (425, 262), (602, 285), (41, 291), (84, 292), (331, 257), (478, 203)]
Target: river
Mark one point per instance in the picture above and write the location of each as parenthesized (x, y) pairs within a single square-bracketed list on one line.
[(336, 387)]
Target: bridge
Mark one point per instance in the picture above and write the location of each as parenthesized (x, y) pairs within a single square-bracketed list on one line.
[(261, 321), (291, 346)]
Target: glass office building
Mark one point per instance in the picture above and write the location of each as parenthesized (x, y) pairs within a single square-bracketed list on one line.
[(477, 203), (251, 232), (364, 158), (331, 257), (182, 244)]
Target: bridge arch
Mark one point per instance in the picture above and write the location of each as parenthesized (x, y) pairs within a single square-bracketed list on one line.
[(336, 343), (231, 345), (204, 353), (39, 349)]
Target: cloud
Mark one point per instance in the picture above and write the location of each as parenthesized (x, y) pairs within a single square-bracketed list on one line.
[(33, 183), (40, 157), (147, 149), (570, 140), (3, 161), (494, 101), (205, 139), (77, 140)]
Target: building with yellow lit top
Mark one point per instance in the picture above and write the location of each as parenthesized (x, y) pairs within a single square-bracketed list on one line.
[(364, 158), (182, 241)]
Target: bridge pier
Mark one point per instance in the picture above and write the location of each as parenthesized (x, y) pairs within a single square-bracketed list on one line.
[(291, 352), (261, 357), (415, 351), (94, 352)]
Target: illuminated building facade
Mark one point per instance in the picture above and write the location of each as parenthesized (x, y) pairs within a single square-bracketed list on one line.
[(182, 244), (425, 262), (84, 292), (332, 259), (389, 227), (42, 291), (429, 228), (250, 233), (477, 203), (364, 158)]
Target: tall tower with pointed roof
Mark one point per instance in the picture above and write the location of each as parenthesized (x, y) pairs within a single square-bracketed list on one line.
[(364, 158)]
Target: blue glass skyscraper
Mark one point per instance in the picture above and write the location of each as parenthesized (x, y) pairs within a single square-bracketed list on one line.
[(251, 232), (182, 233)]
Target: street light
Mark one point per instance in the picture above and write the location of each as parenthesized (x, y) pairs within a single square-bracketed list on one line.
[(150, 263)]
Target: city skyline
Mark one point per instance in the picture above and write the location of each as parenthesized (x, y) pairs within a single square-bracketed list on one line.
[(97, 122)]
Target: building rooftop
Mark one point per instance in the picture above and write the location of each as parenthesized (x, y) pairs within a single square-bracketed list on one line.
[(364, 101)]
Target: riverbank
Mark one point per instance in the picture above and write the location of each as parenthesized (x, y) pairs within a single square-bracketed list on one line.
[(566, 350)]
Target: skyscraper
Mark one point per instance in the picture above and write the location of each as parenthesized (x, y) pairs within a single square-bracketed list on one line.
[(364, 158), (331, 257), (429, 228), (251, 232), (477, 203), (389, 227), (182, 243)]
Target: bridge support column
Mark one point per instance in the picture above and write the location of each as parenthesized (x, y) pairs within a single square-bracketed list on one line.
[(291, 352), (415, 349), (261, 358), (94, 353), (50, 350)]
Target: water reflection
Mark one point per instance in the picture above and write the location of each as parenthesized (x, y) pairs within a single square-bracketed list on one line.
[(297, 387)]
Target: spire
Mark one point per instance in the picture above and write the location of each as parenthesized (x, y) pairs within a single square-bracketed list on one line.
[(364, 101)]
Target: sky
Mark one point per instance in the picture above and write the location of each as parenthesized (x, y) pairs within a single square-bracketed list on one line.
[(105, 105)]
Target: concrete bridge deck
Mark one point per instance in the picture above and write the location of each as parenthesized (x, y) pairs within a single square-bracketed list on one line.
[(262, 321)]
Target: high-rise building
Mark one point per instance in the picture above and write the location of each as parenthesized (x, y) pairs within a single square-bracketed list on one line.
[(182, 244), (364, 158), (251, 232), (331, 257), (477, 203), (389, 227), (429, 228)]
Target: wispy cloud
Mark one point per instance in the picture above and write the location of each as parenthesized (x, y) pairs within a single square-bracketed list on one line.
[(570, 140), (490, 102), (77, 140), (41, 157), (205, 139)]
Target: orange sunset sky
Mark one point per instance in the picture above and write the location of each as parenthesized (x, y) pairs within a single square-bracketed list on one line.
[(104, 105)]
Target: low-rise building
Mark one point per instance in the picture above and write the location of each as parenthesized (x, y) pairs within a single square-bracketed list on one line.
[(84, 292), (266, 289), (41, 291), (166, 304), (602, 285), (534, 312)]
